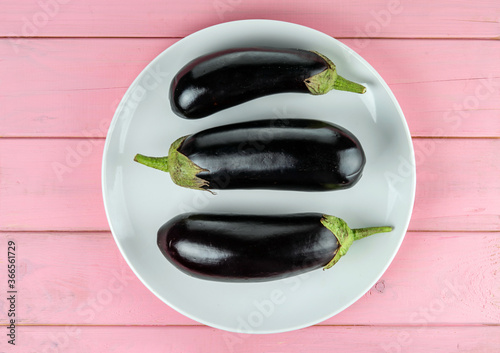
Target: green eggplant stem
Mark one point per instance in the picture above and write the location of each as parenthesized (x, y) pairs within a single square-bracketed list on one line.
[(182, 170), (342, 84), (361, 233), (346, 236), (160, 163), (329, 79)]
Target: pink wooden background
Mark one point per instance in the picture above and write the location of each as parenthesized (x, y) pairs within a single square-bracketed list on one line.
[(64, 66)]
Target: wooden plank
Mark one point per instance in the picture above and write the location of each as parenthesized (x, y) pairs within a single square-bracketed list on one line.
[(353, 339), (82, 279), (55, 184), (357, 18), (70, 88), (51, 184), (455, 190), (445, 88)]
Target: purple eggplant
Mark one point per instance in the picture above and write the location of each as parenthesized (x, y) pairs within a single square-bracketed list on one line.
[(296, 154), (256, 248), (224, 79)]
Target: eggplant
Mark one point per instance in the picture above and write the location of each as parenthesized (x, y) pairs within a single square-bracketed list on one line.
[(295, 154), (256, 248), (224, 79)]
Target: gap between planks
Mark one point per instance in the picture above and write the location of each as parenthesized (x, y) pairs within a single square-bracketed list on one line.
[(104, 137), (430, 325), (107, 231), (180, 37)]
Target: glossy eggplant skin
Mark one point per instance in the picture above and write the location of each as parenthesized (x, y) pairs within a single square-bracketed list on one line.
[(227, 78), (236, 248), (295, 154)]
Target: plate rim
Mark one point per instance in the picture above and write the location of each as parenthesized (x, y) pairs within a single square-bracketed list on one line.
[(408, 139)]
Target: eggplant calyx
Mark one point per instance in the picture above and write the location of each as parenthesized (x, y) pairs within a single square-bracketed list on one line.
[(329, 79), (182, 170), (346, 236)]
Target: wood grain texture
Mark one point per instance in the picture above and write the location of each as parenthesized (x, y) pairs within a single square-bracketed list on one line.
[(65, 65), (55, 184), (51, 184), (71, 88), (82, 279), (456, 189), (360, 19), (357, 339)]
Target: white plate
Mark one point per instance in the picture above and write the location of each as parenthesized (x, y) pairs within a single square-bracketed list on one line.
[(138, 200)]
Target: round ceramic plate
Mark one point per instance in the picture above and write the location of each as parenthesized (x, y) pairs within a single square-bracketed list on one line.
[(138, 200)]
